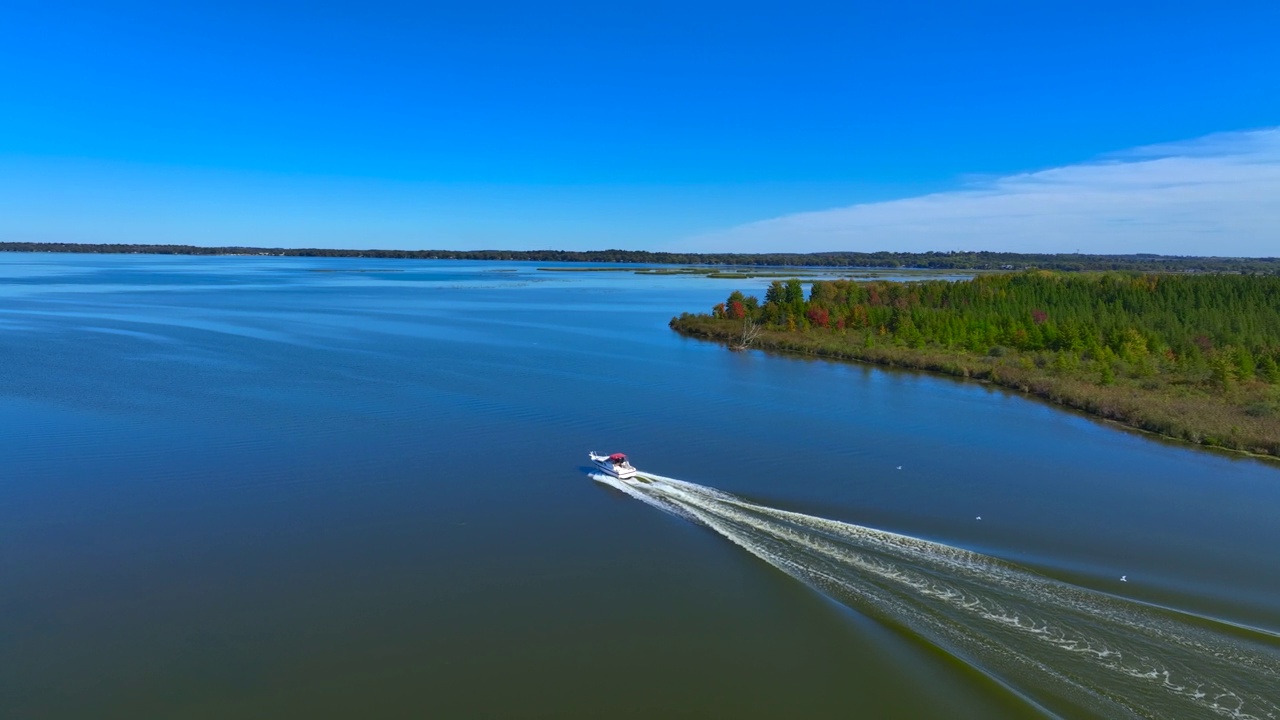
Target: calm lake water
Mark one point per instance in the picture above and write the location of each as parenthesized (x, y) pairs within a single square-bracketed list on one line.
[(300, 488)]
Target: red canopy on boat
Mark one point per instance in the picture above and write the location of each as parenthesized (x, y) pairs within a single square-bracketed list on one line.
[(618, 457)]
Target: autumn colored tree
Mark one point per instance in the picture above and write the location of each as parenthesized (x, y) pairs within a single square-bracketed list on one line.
[(819, 316), (741, 307)]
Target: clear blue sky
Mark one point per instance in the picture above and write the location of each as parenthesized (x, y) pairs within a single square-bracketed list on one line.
[(587, 124)]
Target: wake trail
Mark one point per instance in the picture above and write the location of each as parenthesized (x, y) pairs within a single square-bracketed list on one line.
[(1063, 647)]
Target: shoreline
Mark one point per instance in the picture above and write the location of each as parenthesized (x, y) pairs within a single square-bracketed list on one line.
[(1124, 406)]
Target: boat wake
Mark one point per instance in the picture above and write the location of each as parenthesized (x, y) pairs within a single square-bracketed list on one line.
[(1066, 649)]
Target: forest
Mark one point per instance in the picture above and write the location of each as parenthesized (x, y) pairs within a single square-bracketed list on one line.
[(1191, 357), (944, 260)]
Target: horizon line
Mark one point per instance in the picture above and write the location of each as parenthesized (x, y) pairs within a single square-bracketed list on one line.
[(185, 249)]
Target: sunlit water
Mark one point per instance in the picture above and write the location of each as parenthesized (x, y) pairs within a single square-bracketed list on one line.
[(289, 487)]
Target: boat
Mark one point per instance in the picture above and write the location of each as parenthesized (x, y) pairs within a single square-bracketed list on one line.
[(615, 464)]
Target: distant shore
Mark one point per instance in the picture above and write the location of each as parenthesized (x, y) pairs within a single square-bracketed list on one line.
[(924, 261)]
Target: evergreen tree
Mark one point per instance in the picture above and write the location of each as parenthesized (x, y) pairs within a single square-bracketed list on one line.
[(1270, 370)]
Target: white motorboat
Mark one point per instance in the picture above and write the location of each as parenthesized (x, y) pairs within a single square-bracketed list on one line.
[(615, 464)]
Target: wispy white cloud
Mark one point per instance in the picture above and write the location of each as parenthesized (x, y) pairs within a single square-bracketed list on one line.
[(1215, 195)]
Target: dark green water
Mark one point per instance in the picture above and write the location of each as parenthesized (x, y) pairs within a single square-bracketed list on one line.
[(291, 488)]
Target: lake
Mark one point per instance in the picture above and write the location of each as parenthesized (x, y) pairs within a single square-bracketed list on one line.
[(307, 487)]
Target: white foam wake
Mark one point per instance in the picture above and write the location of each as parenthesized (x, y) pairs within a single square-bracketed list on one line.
[(1066, 648)]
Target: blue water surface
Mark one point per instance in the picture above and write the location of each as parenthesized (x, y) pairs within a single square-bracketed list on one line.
[(302, 487)]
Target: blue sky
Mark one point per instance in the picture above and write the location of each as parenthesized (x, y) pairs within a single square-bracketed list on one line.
[(642, 125)]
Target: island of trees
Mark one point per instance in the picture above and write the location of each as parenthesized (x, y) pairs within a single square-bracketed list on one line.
[(927, 260), (1191, 357)]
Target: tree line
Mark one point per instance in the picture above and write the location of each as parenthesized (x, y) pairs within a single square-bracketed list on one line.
[(1206, 327)]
